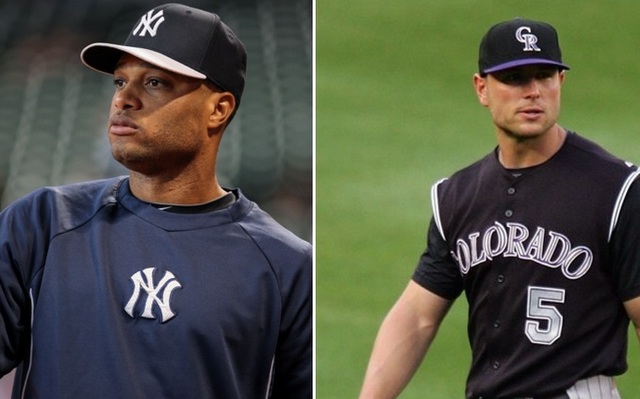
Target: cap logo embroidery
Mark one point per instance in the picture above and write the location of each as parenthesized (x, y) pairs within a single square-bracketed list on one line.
[(528, 38), (146, 21)]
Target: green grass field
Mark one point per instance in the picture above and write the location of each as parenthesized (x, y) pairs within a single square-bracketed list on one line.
[(395, 112)]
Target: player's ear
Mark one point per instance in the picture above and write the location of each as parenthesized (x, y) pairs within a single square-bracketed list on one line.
[(562, 76), (480, 85), (222, 106)]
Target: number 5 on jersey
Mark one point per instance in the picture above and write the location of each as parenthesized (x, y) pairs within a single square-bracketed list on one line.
[(544, 321)]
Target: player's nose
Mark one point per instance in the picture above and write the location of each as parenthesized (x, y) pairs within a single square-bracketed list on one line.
[(531, 88), (126, 97)]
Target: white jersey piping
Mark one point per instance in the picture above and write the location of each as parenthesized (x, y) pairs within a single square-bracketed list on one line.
[(26, 377), (436, 207), (620, 201), (268, 394)]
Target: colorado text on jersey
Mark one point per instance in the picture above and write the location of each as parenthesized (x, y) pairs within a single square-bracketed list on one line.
[(547, 248)]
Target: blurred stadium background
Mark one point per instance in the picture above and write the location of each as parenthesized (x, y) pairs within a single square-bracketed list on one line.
[(53, 110)]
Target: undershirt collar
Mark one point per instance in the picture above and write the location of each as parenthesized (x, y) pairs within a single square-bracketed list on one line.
[(219, 203)]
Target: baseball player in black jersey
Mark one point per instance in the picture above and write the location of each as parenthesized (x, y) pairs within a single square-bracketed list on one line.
[(542, 236)]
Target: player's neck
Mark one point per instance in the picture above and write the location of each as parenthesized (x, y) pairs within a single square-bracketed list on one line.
[(175, 191), (517, 153)]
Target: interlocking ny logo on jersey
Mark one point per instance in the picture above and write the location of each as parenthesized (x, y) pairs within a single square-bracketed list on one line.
[(145, 24), (159, 294), (528, 38)]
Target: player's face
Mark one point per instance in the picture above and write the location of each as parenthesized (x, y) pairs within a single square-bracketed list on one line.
[(524, 102), (159, 121)]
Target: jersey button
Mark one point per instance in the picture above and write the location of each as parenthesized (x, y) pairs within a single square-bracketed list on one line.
[(496, 365), (496, 324), (508, 213), (500, 278), (511, 191)]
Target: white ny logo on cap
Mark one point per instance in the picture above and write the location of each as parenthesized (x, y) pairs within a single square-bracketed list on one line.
[(529, 39), (146, 21)]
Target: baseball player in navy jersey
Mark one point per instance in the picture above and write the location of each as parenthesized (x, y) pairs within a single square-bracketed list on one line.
[(162, 283), (541, 235)]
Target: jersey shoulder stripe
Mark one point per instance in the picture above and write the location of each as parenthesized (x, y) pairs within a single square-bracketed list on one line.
[(436, 207), (620, 201)]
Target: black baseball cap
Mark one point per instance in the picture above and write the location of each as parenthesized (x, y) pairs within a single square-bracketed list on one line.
[(519, 42), (180, 39)]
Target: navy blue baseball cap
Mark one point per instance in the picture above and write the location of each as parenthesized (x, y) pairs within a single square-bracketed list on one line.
[(180, 39), (519, 42)]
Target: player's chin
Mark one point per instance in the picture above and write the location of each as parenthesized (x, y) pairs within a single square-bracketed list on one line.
[(521, 133), (127, 154), (534, 127)]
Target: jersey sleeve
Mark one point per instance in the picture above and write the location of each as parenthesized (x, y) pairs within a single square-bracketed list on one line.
[(436, 270), (625, 246), (293, 368), (16, 234)]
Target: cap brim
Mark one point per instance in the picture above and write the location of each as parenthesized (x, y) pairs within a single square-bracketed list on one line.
[(103, 57), (527, 61)]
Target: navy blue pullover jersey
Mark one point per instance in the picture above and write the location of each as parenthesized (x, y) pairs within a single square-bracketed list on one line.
[(545, 256), (105, 296)]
